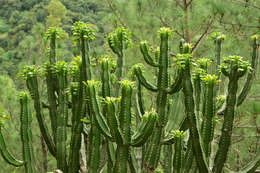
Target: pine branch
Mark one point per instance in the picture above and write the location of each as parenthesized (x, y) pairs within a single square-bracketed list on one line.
[(179, 4), (203, 35), (246, 4)]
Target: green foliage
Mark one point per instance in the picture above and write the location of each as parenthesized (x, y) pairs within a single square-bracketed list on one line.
[(54, 33), (57, 12), (119, 39), (22, 28), (82, 30), (234, 63)]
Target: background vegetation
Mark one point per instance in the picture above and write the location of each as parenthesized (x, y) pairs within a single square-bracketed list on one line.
[(24, 22)]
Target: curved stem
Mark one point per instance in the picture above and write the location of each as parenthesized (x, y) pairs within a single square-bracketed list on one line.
[(189, 109), (229, 113)]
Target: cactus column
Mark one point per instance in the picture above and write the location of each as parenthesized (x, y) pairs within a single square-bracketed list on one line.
[(83, 34), (117, 128), (118, 41), (209, 113), (250, 76), (185, 62), (152, 154), (52, 34), (30, 74), (62, 117), (7, 156), (234, 68), (26, 134)]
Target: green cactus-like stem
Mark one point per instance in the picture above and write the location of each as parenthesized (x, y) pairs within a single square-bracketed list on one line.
[(51, 78), (197, 87), (118, 41), (139, 108), (120, 65), (94, 146), (218, 40), (153, 151), (52, 99), (113, 121), (249, 80), (132, 164), (122, 135), (95, 109), (122, 155), (85, 59), (99, 118), (111, 155), (143, 81), (210, 109), (94, 151), (52, 50), (145, 129), (198, 73), (53, 34), (177, 85), (178, 152), (83, 33), (218, 44), (123, 151), (32, 85), (234, 68), (77, 126), (118, 127), (62, 117), (140, 98), (189, 109), (26, 134), (7, 156), (225, 139), (106, 90), (125, 111), (105, 78), (167, 164), (162, 82), (145, 51), (189, 157)]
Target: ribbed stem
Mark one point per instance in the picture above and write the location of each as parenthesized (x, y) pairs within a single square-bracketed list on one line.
[(106, 90), (189, 157), (122, 155), (249, 80), (32, 85), (76, 130), (62, 122), (7, 156), (167, 164), (26, 134), (194, 132), (154, 147), (226, 132), (208, 129), (52, 100), (53, 49), (178, 155)]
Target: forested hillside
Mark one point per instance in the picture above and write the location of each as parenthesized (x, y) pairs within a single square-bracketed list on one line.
[(23, 24), (23, 41)]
